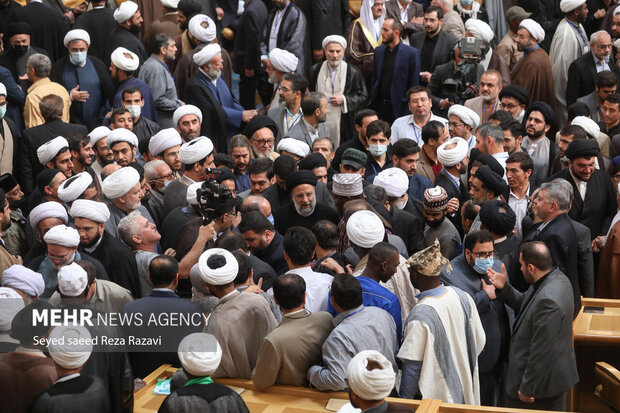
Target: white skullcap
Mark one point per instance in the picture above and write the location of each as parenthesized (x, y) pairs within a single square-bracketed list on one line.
[(2, 89), (195, 150), (452, 156), (72, 280), (588, 125), (480, 29), (222, 275), (171, 4), (62, 235), (76, 34), (49, 150), (93, 210), (118, 183), (466, 115), (72, 188), (534, 28), (334, 38), (184, 111), (200, 354), (70, 346), (10, 304), (206, 54), (125, 11), (365, 229), (394, 180), (23, 279), (374, 384), (47, 210), (125, 59), (570, 5), (294, 146), (202, 28), (121, 135), (164, 140), (283, 60), (191, 196), (98, 133)]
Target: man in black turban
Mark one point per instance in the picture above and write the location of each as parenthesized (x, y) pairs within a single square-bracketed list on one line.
[(499, 219), (539, 119)]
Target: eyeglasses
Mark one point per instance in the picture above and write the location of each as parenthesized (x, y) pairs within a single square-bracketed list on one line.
[(509, 105), (263, 142), (455, 124), (168, 177), (483, 254)]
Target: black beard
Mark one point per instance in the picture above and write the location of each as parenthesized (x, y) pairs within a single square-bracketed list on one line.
[(436, 223), (96, 240), (537, 134), (134, 28)]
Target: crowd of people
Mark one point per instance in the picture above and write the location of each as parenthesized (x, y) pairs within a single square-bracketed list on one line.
[(408, 203)]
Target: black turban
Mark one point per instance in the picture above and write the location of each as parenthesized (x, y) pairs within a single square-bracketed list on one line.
[(7, 182), (543, 108), (299, 178), (259, 122), (315, 160), (491, 162), (491, 180), (517, 92), (498, 217), (189, 8), (18, 28), (583, 148)]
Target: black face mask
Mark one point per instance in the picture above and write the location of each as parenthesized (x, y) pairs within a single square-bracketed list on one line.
[(21, 49)]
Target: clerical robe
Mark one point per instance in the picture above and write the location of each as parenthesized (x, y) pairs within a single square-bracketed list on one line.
[(360, 51), (533, 73)]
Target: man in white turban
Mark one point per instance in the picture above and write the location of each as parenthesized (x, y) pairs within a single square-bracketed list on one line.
[(29, 284), (453, 156), (55, 154), (129, 24), (277, 64), (293, 147), (364, 36), (371, 379), (165, 145), (103, 154), (47, 215), (124, 145), (78, 186), (11, 303), (462, 122), (187, 119), (396, 184)]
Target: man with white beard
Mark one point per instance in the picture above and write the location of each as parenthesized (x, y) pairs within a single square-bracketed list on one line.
[(279, 63), (343, 84)]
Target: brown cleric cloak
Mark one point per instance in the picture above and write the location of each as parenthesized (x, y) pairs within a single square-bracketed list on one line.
[(533, 72), (361, 49), (608, 281)]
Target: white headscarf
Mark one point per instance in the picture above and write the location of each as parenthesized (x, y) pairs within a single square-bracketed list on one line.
[(334, 38), (366, 15), (365, 228), (588, 125), (294, 146), (374, 384), (75, 348), (76, 34), (195, 150), (200, 354), (218, 276), (122, 135), (534, 28), (190, 197)]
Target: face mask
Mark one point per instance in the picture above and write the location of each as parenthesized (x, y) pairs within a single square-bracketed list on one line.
[(466, 2), (78, 58), (483, 264), (270, 218), (164, 186), (21, 49), (134, 110), (377, 150), (2, 111)]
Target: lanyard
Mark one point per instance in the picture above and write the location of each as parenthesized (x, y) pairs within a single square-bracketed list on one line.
[(277, 21), (578, 30), (332, 76), (355, 312), (415, 132), (485, 109), (288, 127), (199, 380)]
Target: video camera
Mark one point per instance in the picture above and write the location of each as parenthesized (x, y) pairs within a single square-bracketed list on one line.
[(462, 85), (214, 199)]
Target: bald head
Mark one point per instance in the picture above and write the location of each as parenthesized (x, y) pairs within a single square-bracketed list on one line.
[(256, 203), (109, 169)]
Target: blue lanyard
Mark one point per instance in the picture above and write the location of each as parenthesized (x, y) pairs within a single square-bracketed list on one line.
[(413, 125), (583, 38), (294, 120), (355, 312), (454, 180), (332, 76), (278, 20), (485, 109)]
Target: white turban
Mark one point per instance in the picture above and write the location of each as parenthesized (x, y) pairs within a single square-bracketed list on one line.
[(125, 11), (10, 304), (452, 156), (49, 150), (62, 235), (118, 183), (334, 38), (588, 125), (195, 150), (466, 115), (394, 180), (98, 133), (125, 59), (184, 111), (2, 89), (47, 210), (76, 34), (200, 354), (171, 4), (207, 53), (222, 275), (365, 228), (480, 29), (294, 146), (191, 196), (72, 188), (283, 60), (164, 140), (93, 210), (122, 135), (24, 280), (70, 346), (72, 280), (374, 384), (534, 28), (570, 5), (202, 28)]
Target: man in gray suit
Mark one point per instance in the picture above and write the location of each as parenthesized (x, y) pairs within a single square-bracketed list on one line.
[(605, 83), (312, 124), (541, 363), (286, 116)]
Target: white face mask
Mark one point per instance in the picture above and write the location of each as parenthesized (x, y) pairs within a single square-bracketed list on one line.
[(134, 110)]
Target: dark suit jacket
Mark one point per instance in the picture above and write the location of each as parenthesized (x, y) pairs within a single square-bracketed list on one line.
[(581, 74), (409, 227), (443, 47), (325, 17), (542, 359), (248, 36), (392, 11), (99, 23), (48, 28), (590, 101), (460, 193)]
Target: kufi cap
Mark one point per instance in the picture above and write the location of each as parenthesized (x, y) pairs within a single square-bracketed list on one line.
[(588, 125), (517, 92), (49, 150), (191, 196), (466, 115), (62, 235), (18, 28), (2, 89), (294, 146), (164, 140), (93, 210), (122, 135), (435, 199), (259, 122), (498, 217), (72, 280), (491, 180), (195, 150), (23, 279), (334, 38), (125, 11), (394, 180), (429, 261), (184, 111), (7, 182), (454, 155), (70, 346), (567, 6), (200, 354), (207, 53), (99, 133), (347, 184), (221, 275), (534, 28), (72, 188), (516, 13), (314, 160), (125, 59), (365, 229), (202, 28), (582, 148), (46, 210), (283, 60), (118, 183), (10, 304), (353, 157), (299, 178), (76, 34), (480, 29), (171, 4), (543, 108), (375, 384)]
